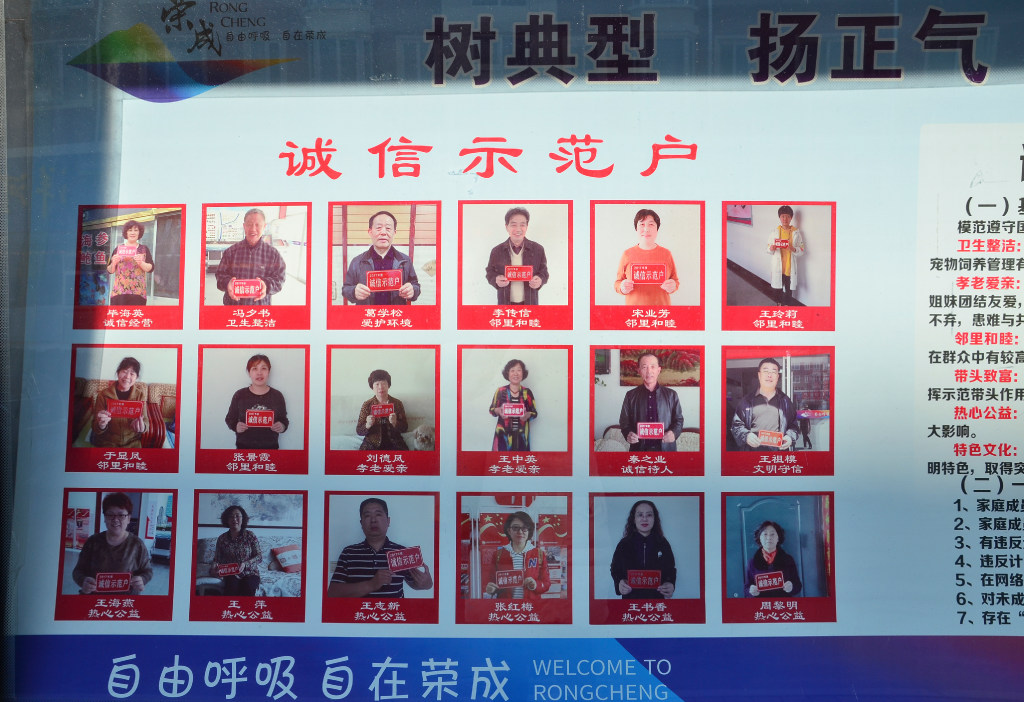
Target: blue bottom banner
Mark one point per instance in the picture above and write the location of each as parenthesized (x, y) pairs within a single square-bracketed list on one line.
[(517, 670)]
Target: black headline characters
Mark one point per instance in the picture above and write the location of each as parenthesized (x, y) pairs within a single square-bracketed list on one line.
[(363, 570), (382, 430), (238, 547), (643, 547), (651, 403), (517, 250), (251, 259), (518, 558), (515, 406), (130, 268), (381, 256), (766, 409), (120, 431), (115, 550), (771, 559), (257, 413)]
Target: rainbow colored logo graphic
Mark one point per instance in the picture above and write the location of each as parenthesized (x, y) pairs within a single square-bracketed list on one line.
[(136, 61)]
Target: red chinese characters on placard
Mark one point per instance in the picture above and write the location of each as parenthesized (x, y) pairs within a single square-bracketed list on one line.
[(259, 418), (113, 582), (124, 409), (246, 287), (514, 409), (228, 569), (509, 578), (404, 559), (379, 281), (522, 274), (647, 273), (650, 430), (644, 579), (771, 438), (769, 581)]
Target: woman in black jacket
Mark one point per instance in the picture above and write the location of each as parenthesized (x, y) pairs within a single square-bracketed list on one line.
[(644, 549)]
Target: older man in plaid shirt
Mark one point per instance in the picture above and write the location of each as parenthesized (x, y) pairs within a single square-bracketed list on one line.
[(251, 259)]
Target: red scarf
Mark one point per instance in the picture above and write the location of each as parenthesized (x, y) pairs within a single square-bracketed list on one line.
[(769, 558)]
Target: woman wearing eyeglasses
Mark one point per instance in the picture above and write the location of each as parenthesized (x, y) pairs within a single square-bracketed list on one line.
[(518, 571), (114, 551)]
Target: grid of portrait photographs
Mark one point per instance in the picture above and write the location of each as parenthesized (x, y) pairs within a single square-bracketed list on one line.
[(368, 418)]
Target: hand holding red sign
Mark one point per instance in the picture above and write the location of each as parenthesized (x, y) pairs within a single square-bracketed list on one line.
[(225, 569), (650, 430), (259, 418), (384, 409), (643, 579), (383, 281), (770, 438), (513, 409), (405, 558), (519, 274), (770, 581), (647, 273), (114, 582), (781, 243), (246, 287), (125, 409), (509, 578)]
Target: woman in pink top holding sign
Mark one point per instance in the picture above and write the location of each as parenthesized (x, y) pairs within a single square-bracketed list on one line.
[(129, 264), (382, 419), (514, 406)]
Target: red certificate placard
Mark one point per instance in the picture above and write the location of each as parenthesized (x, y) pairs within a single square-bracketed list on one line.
[(771, 438), (644, 579), (385, 409), (650, 430), (769, 581), (509, 578), (124, 250), (246, 287), (514, 409), (519, 274), (113, 582), (127, 409), (381, 281), (781, 243), (225, 569), (259, 418), (647, 273), (404, 559)]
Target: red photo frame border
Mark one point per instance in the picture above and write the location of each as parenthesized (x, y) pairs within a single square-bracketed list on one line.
[(157, 460), (615, 317), (745, 463), (477, 462), (217, 317), (286, 461), (349, 316), (161, 316), (743, 318), (555, 317), (417, 462)]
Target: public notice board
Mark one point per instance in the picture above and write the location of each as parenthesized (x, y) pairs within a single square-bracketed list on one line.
[(518, 351)]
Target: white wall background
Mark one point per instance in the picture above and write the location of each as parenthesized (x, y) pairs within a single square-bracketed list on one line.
[(548, 380), (223, 372), (483, 227), (614, 233), (158, 365), (748, 246)]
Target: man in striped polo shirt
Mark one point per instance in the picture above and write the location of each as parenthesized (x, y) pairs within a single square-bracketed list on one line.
[(363, 568)]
